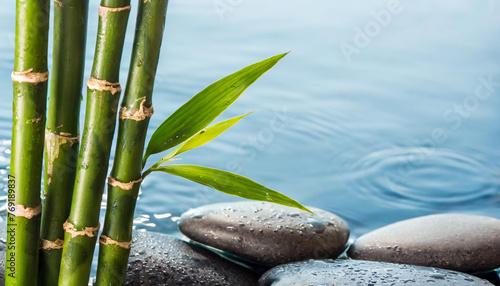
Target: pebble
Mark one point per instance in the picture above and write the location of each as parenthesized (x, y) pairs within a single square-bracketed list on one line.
[(159, 259), (3, 251), (266, 233), (367, 273), (465, 243)]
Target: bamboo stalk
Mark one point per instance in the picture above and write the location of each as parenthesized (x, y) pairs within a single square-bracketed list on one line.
[(103, 92), (30, 94), (135, 112), (62, 133)]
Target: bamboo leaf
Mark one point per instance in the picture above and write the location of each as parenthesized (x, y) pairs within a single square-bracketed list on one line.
[(230, 183), (205, 106), (204, 136)]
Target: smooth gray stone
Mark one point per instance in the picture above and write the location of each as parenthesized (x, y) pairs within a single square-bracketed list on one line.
[(363, 273), (159, 259), (458, 242), (266, 233)]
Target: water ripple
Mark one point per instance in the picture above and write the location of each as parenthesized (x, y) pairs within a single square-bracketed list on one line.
[(424, 177)]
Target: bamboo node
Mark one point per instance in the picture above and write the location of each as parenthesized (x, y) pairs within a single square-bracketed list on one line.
[(105, 240), (29, 76), (26, 212), (103, 10), (88, 230), (63, 135), (37, 120), (137, 114), (49, 245), (103, 85), (124, 186)]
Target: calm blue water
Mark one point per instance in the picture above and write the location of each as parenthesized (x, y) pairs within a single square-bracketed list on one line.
[(375, 116)]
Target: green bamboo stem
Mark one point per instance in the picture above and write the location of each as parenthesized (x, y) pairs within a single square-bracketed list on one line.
[(135, 112), (30, 94), (103, 93), (62, 133)]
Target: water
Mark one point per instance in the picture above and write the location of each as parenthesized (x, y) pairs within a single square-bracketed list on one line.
[(383, 131)]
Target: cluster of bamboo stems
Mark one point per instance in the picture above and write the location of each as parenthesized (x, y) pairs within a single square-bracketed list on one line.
[(55, 246), (74, 181)]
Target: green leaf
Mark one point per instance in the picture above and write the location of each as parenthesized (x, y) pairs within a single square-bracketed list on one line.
[(204, 136), (204, 107), (230, 183)]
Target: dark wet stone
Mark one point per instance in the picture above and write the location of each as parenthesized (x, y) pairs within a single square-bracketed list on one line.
[(459, 242), (367, 273), (266, 233), (3, 250), (158, 259)]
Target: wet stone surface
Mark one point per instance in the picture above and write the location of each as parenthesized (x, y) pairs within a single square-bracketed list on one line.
[(458, 242), (266, 233), (158, 259), (3, 251), (356, 272)]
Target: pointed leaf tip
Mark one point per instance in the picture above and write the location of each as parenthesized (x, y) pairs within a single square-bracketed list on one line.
[(205, 106), (206, 135)]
